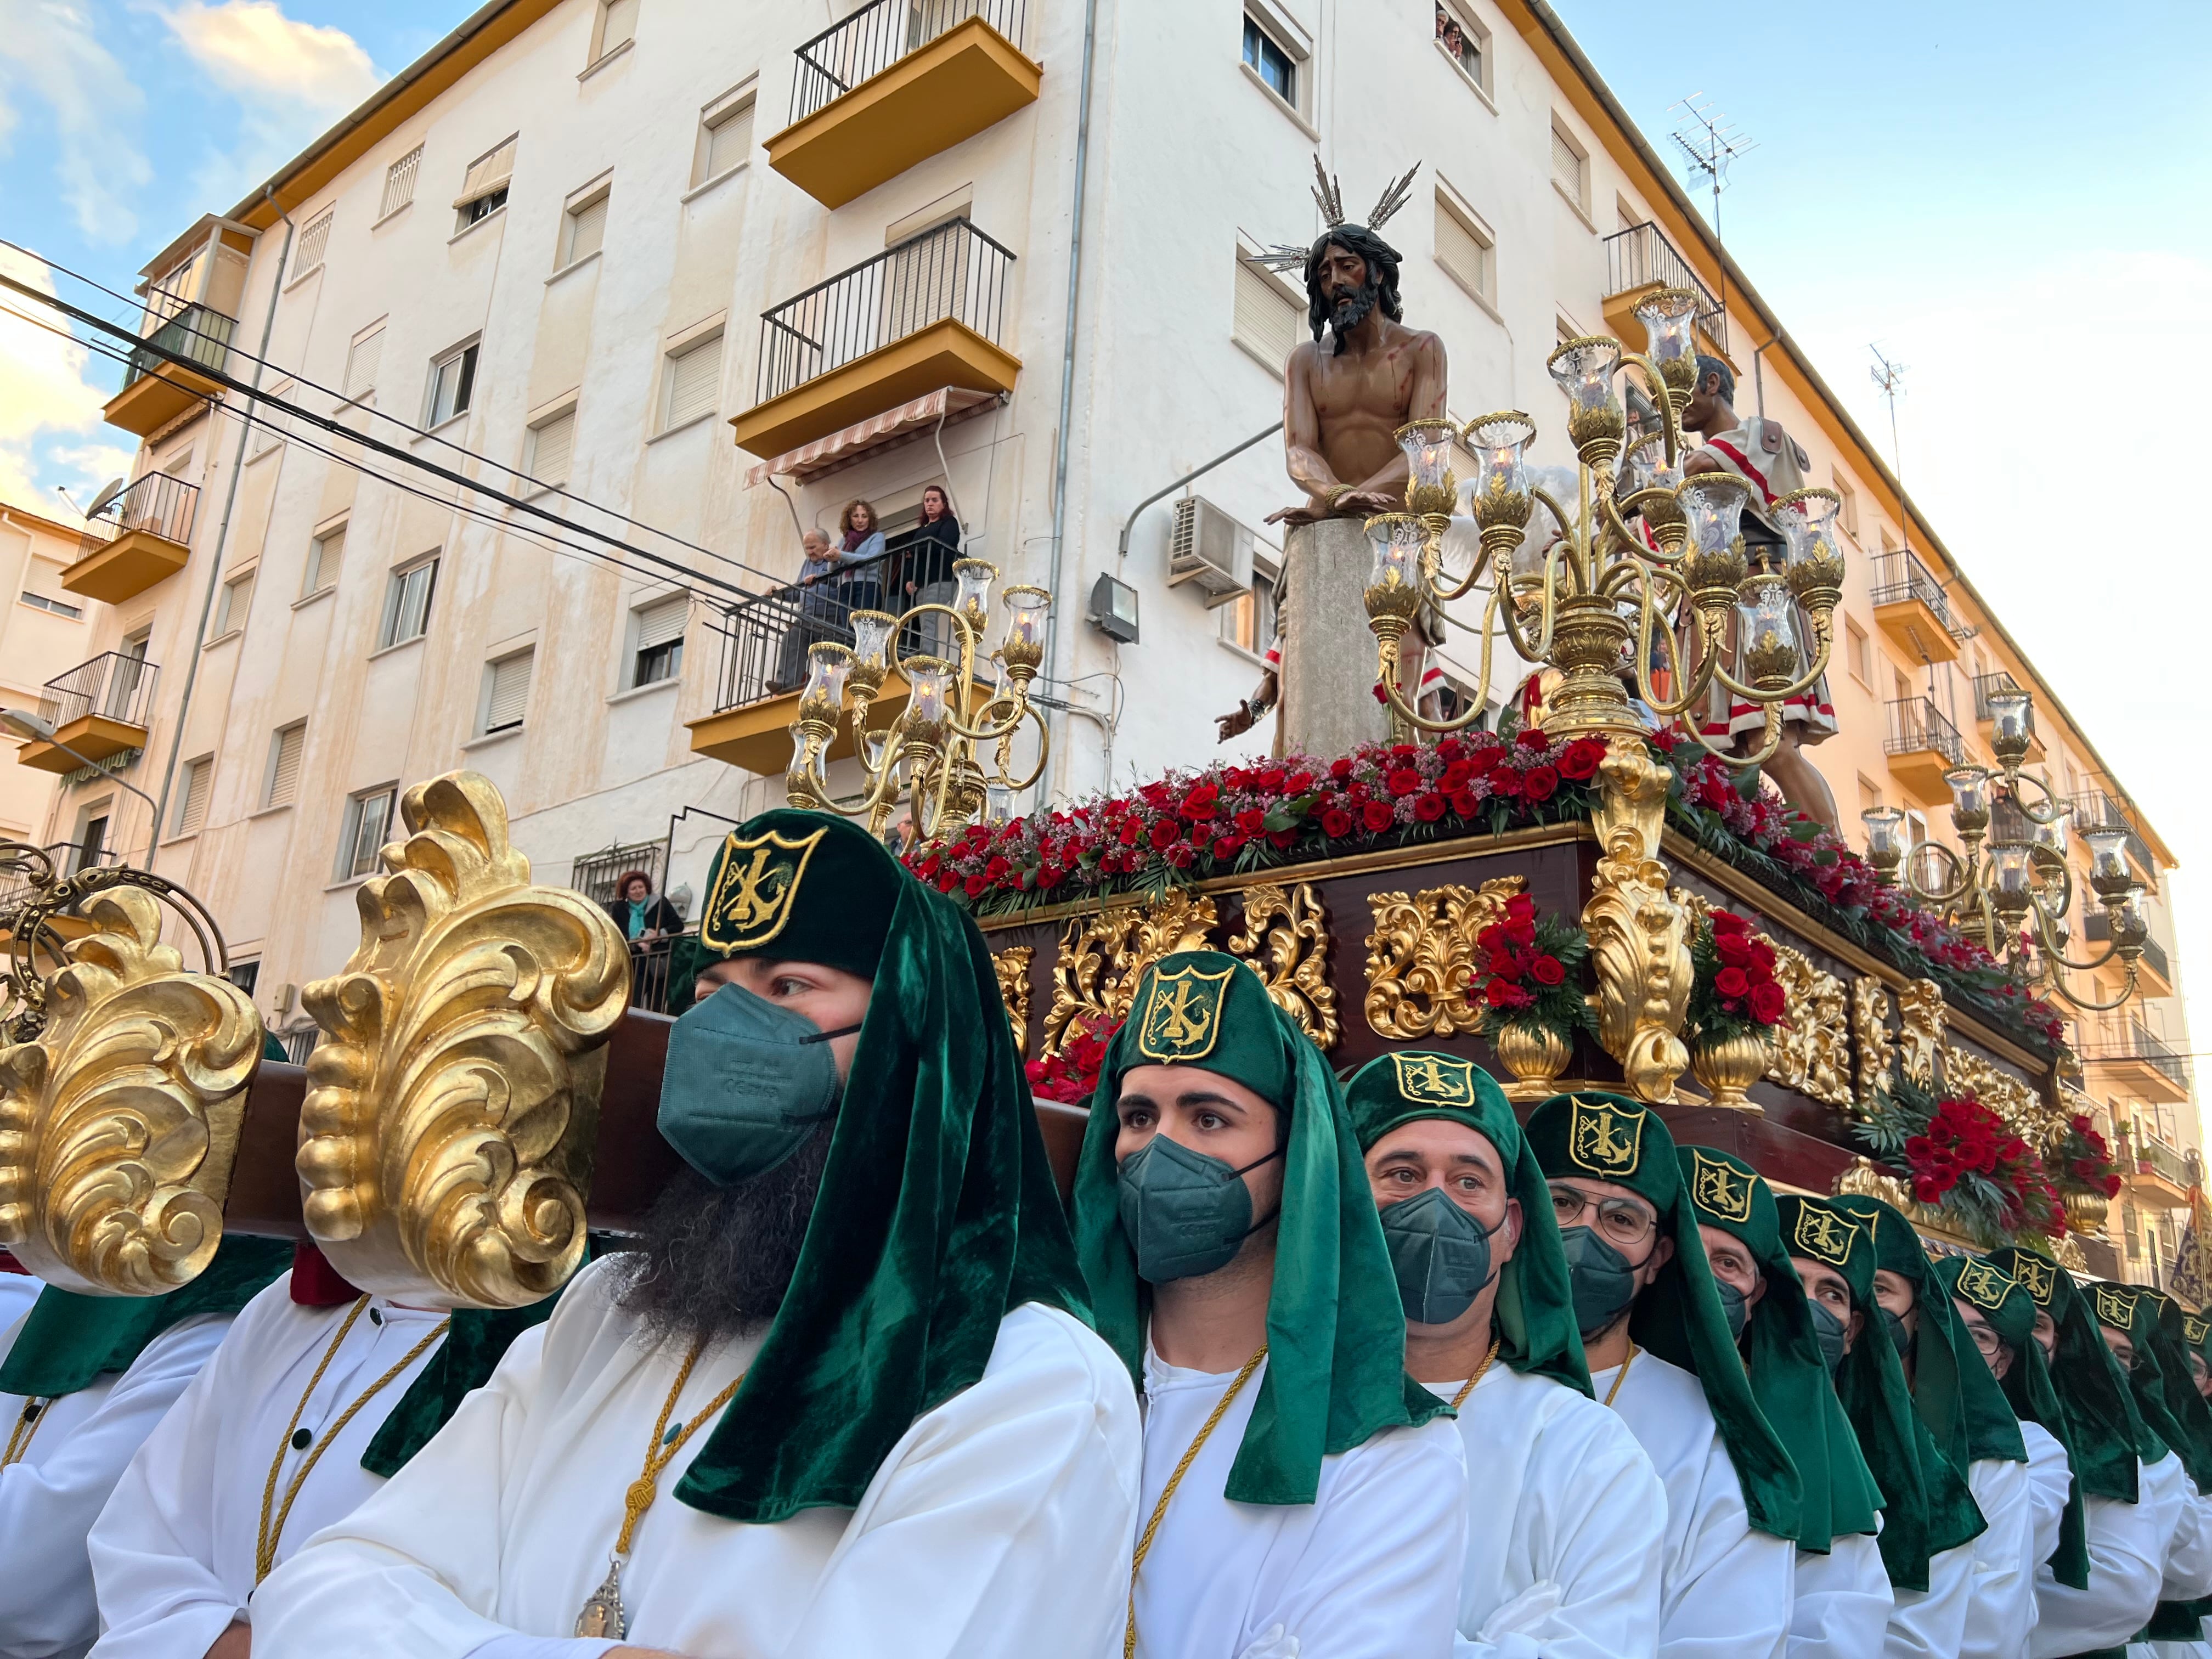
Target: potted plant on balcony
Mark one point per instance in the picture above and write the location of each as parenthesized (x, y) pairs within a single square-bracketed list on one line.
[(2086, 1174), (1735, 1002), (1529, 991)]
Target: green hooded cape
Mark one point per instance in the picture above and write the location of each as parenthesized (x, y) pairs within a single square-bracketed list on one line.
[(68, 1338), (2010, 1312), (1534, 1308), (1336, 1328), (1789, 1378), (937, 1214), (2174, 1411), (2108, 1436), (1927, 1508), (1607, 1137), (1953, 1389)]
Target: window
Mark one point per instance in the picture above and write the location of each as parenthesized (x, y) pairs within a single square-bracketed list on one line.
[(232, 604), (192, 802), (616, 28), (583, 228), (92, 841), (1463, 247), (506, 693), (407, 604), (1265, 57), (1570, 166), (363, 359), (1459, 40), (660, 640), (1266, 318), (693, 382), (552, 445), (1848, 515), (286, 745), (308, 255), (452, 382), (725, 138), (1869, 794), (324, 554), (1248, 622), (1858, 652), (245, 975), (399, 183), (1888, 543), (41, 602), (483, 191), (367, 822)]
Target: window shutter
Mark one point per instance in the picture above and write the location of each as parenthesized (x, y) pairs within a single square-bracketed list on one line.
[(510, 691), (313, 241), (399, 182), (1460, 249), (488, 175), (323, 557), (621, 24), (361, 364), (587, 228), (1267, 318), (284, 773), (237, 599), (199, 776), (693, 379), (551, 446), (730, 140), (658, 623), (1566, 165)]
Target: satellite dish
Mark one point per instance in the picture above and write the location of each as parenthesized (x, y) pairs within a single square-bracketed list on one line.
[(106, 499)]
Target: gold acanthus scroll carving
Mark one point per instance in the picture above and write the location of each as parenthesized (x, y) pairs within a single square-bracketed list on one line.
[(2021, 1106), (1871, 1036), (119, 1123), (1811, 1051), (1638, 935), (1421, 957), (1920, 1006), (446, 1137), (1285, 938), (1102, 957), (1013, 966)]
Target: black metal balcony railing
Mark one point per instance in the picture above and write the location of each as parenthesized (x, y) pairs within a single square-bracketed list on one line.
[(1900, 576), (1915, 724), (69, 857), (1642, 255), (953, 270), (157, 503), (2131, 1041), (113, 685), (2097, 929), (2095, 810), (1985, 685), (2167, 1162), (877, 36), (198, 333)]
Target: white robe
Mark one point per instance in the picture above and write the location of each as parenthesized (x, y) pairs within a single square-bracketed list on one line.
[(49, 1500), (1841, 1603), (1565, 1531), (2051, 1482), (999, 1527), (173, 1551), (1932, 1624), (2188, 1574), (2001, 1603), (2127, 1565), (17, 1292), (1369, 1569), (1725, 1591)]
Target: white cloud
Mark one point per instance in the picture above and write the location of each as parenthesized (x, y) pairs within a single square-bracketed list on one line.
[(50, 50), (43, 389)]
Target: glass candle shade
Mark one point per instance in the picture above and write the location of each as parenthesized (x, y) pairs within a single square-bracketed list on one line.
[(2010, 715), (1885, 846), (871, 641), (2052, 836), (1394, 585), (1670, 318), (2130, 925), (1969, 799), (998, 803), (2108, 862), (973, 598), (823, 698), (1768, 624), (1501, 473), (2012, 878), (1026, 607), (1430, 489), (1584, 369), (925, 719)]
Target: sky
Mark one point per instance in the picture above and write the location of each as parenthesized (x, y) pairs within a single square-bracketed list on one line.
[(2002, 196)]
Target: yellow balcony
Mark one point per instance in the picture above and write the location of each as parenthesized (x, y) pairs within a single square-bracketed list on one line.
[(95, 737), (99, 708), (1639, 262), (865, 108), (156, 390), (1912, 610), (141, 537), (2134, 1062), (756, 737), (946, 353), (1922, 746)]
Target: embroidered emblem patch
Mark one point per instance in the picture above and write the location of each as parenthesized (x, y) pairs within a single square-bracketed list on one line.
[(753, 888), (2035, 1274), (2195, 1329), (1825, 1235), (1604, 1139), (2115, 1307), (1984, 1286), (1182, 1014), (1436, 1079), (1719, 1189)]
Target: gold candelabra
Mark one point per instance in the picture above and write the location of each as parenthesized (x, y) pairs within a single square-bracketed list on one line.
[(929, 749), (1605, 589), (2012, 895)]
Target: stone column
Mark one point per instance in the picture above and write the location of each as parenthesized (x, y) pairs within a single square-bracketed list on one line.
[(1328, 656)]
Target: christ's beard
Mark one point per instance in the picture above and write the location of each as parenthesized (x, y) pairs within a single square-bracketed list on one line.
[(712, 1261), (1350, 310)]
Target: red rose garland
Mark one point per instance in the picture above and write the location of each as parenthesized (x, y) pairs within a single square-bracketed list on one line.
[(1734, 992)]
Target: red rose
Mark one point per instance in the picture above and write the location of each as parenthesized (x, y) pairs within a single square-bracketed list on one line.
[(1251, 821), (1429, 808), (1502, 996), (1405, 751), (1533, 739), (1163, 832), (1520, 908), (1768, 1004), (1271, 781), (1336, 824), (1130, 830), (975, 884), (1297, 783), (1547, 970), (1727, 921), (1226, 849), (1377, 815), (1731, 982), (1732, 949), (1404, 781), (1199, 802), (1540, 783), (1455, 777), (1183, 855), (1582, 758), (1465, 804)]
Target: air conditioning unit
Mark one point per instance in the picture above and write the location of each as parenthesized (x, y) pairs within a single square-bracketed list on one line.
[(1208, 547)]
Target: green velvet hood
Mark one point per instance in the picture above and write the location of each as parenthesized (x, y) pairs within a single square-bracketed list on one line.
[(687, 960), (1609, 1137), (2010, 1310), (2165, 1393), (69, 1338), (1534, 1308), (1838, 1495), (1336, 1329), (937, 1214), (2108, 1434), (1953, 1389), (1926, 1507)]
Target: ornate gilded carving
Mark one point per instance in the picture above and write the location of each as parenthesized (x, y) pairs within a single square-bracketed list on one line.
[(1870, 1033), (1012, 965), (1810, 1053), (1920, 1005), (1866, 1179), (1102, 957), (451, 1110), (1638, 935), (1290, 955), (1421, 957), (119, 1124), (2012, 1099)]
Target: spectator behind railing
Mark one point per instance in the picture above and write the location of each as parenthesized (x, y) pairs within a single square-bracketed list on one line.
[(929, 579), (823, 611), (863, 540), (641, 914)]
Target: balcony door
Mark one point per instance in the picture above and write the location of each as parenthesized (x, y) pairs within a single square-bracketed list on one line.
[(924, 278), (124, 673)]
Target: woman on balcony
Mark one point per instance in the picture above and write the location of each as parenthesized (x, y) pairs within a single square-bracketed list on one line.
[(929, 579), (862, 540)]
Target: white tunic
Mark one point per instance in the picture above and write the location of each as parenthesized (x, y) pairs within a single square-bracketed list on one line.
[(2188, 1574), (1932, 1624), (2127, 1564), (17, 1292), (173, 1553), (1369, 1569), (2051, 1482), (1724, 1589), (999, 1527), (1841, 1604), (49, 1500), (2001, 1603), (1565, 1530)]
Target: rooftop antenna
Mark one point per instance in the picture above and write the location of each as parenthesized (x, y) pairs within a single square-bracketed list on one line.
[(1711, 143), (1890, 377)]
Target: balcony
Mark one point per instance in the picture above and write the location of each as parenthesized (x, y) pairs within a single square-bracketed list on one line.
[(69, 857), (1640, 260), (897, 82), (2154, 970), (100, 708), (923, 315), (2128, 1057), (2095, 810), (1911, 608), (1922, 746), (156, 390), (1985, 685), (141, 537), (2158, 1175)]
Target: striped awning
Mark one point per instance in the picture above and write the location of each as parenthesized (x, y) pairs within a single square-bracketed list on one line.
[(946, 403)]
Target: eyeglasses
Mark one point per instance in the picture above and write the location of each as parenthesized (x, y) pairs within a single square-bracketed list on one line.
[(1986, 1339), (1622, 1221)]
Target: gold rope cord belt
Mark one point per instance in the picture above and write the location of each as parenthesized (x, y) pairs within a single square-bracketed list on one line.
[(26, 1424), (1621, 1375)]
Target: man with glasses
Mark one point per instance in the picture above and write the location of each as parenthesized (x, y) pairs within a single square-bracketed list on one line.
[(1660, 1353)]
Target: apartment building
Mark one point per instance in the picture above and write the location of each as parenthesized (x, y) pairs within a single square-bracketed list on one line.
[(661, 283), (45, 631)]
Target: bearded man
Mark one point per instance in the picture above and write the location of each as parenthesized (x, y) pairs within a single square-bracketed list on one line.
[(844, 1400)]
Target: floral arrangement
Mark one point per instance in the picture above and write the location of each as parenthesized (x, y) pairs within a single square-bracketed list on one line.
[(1071, 1076), (1532, 973), (1959, 1157), (1734, 992), (2085, 1161)]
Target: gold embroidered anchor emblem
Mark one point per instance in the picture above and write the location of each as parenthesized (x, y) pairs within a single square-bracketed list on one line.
[(2035, 1274), (1985, 1285), (1720, 1188), (1435, 1079), (1182, 1014), (755, 883), (1825, 1235), (1605, 1140)]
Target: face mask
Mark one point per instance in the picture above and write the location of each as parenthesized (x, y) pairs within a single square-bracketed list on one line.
[(1184, 1211), (746, 1083), (1440, 1254), (1603, 1282), (1830, 1332), (1736, 1307), (1899, 1338)]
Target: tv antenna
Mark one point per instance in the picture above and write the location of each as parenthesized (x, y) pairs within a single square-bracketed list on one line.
[(1890, 378), (1711, 144)]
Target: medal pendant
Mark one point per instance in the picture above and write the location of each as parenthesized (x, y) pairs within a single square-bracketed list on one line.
[(603, 1615)]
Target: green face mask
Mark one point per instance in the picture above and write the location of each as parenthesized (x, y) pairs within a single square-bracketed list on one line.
[(745, 1084), (1604, 1284), (1185, 1213), (1440, 1254), (1736, 1307), (1830, 1332), (1899, 1338)]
